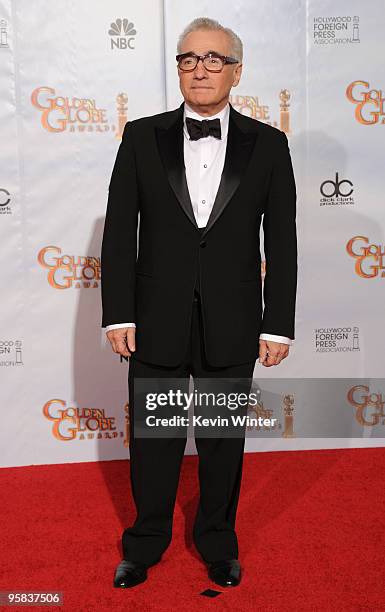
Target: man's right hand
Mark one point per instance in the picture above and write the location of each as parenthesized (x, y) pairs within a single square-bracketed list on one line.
[(122, 340)]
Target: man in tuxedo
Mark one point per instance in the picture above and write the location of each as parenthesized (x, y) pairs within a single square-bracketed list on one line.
[(184, 294)]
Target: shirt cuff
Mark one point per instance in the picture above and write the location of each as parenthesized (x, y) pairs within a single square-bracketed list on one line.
[(119, 325), (275, 338)]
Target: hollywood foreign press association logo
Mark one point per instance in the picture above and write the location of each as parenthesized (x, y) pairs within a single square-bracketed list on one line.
[(336, 192), (3, 34), (336, 30), (122, 34), (337, 339), (11, 353)]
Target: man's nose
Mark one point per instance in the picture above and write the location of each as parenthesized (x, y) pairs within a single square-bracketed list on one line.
[(200, 71)]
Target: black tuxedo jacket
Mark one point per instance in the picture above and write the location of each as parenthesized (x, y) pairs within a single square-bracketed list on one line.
[(148, 277)]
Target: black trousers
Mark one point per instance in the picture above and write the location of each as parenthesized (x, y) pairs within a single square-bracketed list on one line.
[(155, 467)]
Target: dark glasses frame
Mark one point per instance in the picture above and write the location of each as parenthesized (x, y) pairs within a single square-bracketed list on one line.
[(226, 59)]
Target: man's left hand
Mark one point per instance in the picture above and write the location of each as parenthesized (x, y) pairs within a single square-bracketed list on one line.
[(271, 353)]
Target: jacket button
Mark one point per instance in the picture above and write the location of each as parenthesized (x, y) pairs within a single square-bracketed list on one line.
[(203, 243)]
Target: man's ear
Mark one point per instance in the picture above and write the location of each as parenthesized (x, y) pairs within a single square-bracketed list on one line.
[(237, 74)]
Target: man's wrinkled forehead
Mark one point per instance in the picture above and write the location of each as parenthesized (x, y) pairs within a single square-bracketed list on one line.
[(201, 42)]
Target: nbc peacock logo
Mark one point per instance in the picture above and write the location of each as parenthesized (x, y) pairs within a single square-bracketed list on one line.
[(122, 34)]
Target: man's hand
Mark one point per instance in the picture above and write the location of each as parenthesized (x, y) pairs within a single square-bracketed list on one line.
[(272, 353), (122, 340)]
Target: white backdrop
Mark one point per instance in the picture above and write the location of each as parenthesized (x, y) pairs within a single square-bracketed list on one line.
[(71, 75)]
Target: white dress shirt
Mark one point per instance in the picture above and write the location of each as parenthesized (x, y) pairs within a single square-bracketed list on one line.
[(204, 161)]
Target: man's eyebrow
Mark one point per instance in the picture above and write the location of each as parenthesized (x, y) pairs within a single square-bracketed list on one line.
[(211, 51)]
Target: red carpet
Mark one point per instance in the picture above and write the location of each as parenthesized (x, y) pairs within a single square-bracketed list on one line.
[(310, 526)]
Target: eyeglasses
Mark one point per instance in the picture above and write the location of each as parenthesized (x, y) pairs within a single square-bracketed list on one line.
[(214, 62)]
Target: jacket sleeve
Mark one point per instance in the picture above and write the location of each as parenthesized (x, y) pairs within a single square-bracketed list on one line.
[(280, 246), (119, 243)]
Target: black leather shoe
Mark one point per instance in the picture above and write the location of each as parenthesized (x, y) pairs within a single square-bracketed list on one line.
[(226, 572), (129, 573)]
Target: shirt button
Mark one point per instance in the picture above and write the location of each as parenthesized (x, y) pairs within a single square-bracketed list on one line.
[(205, 165), (203, 201)]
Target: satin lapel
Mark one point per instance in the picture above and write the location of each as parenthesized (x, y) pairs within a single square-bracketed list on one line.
[(170, 144), (239, 148)]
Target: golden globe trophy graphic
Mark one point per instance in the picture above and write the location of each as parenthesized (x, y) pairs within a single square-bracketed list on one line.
[(356, 32), (121, 100), (288, 403), (284, 113)]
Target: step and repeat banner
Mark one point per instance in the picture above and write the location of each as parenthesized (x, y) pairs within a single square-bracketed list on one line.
[(71, 75)]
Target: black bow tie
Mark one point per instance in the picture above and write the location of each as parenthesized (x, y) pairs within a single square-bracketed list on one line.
[(200, 129)]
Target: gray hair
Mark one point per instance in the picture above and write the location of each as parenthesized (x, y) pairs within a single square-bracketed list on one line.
[(205, 23)]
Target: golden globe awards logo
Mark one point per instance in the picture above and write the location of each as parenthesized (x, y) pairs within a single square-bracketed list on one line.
[(370, 258), (369, 406), (252, 107), (60, 113), (72, 423), (69, 271), (369, 103)]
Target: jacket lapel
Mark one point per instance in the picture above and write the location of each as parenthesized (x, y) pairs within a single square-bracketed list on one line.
[(240, 145), (170, 144), (239, 148)]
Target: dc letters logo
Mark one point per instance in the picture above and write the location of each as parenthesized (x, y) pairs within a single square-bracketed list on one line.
[(337, 191), (5, 200), (122, 33)]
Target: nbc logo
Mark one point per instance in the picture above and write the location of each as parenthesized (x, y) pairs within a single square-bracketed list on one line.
[(122, 33)]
